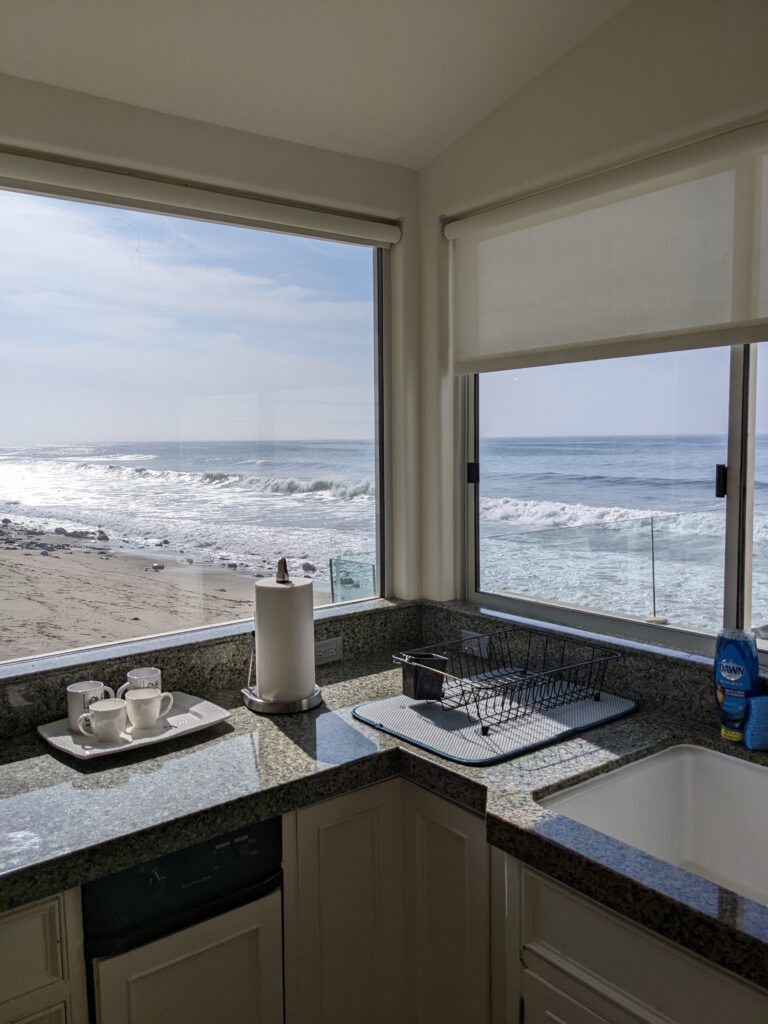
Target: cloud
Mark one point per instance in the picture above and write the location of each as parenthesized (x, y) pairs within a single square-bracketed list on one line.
[(59, 258), (119, 310)]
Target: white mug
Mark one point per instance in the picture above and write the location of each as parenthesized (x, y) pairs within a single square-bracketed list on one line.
[(142, 679), (105, 720), (145, 707), (80, 696)]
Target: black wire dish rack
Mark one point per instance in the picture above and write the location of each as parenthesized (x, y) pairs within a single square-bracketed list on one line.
[(506, 676)]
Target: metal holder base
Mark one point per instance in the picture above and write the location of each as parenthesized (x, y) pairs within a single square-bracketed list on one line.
[(280, 707)]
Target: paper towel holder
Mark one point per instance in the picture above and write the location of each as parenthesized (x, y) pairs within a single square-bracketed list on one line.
[(254, 702)]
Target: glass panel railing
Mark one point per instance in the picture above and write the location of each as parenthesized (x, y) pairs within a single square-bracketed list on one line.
[(352, 579), (760, 562), (666, 567)]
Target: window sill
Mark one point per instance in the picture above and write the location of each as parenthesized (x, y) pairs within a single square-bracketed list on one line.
[(19, 668), (484, 604)]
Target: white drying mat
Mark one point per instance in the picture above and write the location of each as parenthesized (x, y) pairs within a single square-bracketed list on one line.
[(452, 734)]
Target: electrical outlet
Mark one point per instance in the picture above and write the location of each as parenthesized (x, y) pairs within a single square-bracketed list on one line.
[(475, 644), (329, 650)]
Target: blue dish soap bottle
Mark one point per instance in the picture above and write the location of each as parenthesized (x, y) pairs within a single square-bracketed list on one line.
[(737, 675)]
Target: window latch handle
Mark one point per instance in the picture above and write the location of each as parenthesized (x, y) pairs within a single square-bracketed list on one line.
[(721, 478), (473, 472)]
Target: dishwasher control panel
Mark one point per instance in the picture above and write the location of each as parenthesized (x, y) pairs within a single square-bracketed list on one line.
[(178, 889)]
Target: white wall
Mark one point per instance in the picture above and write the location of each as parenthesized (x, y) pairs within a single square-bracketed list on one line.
[(58, 121), (658, 73)]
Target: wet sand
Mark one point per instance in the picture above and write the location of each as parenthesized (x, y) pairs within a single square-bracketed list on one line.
[(59, 592)]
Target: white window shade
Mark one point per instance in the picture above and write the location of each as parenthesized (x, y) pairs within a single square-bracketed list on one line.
[(665, 263)]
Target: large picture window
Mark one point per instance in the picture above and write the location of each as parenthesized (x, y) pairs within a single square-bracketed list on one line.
[(181, 404), (612, 327)]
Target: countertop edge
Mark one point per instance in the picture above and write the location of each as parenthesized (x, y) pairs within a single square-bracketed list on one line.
[(514, 825)]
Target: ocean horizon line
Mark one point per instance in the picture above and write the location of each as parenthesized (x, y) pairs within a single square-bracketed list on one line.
[(271, 440), (354, 440)]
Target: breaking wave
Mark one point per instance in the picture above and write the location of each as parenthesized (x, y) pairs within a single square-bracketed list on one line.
[(528, 516), (539, 515), (261, 485)]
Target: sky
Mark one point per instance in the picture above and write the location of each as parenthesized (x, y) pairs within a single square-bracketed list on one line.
[(672, 393), (669, 393), (120, 325)]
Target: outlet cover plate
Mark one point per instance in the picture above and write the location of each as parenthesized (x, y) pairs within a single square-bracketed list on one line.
[(475, 643), (329, 650)]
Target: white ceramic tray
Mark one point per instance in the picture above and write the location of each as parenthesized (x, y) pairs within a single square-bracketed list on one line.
[(188, 714)]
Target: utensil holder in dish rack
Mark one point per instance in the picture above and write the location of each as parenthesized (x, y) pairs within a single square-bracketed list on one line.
[(506, 675)]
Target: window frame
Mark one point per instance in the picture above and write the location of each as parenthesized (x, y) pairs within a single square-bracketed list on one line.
[(737, 581), (111, 187)]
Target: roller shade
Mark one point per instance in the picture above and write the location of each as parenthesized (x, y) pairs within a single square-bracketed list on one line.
[(669, 261), (78, 181)]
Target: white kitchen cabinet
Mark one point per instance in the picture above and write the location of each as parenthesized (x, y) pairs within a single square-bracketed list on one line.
[(620, 972), (386, 910), (42, 970), (227, 969), (446, 911), (341, 870)]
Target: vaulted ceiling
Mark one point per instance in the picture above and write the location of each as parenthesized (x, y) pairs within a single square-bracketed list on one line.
[(392, 80)]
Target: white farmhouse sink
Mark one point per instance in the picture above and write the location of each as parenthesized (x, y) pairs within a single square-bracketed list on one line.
[(703, 811)]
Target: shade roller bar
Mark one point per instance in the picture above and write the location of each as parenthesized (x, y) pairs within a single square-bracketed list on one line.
[(680, 163), (721, 335), (671, 262), (76, 181)]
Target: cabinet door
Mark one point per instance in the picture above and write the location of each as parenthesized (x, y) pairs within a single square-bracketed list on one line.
[(341, 863), (545, 1004), (42, 969), (625, 972), (446, 925), (31, 949), (226, 969)]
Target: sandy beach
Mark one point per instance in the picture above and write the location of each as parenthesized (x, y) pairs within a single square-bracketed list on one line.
[(59, 591)]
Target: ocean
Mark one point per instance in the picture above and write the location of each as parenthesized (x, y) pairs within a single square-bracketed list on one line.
[(564, 519), (569, 519), (244, 502)]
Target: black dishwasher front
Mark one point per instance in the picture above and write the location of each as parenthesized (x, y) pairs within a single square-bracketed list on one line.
[(136, 906)]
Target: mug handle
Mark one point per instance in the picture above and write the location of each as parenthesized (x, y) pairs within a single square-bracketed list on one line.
[(121, 690), (110, 691), (170, 704), (85, 725)]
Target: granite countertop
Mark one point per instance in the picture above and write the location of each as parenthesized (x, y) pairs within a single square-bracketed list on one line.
[(63, 822)]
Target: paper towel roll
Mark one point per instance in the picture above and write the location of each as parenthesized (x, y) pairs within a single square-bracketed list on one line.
[(285, 640)]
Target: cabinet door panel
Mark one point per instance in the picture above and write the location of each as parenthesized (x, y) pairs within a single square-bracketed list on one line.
[(446, 931), (30, 949), (53, 1015), (42, 968), (566, 936), (228, 968), (547, 1005), (342, 881)]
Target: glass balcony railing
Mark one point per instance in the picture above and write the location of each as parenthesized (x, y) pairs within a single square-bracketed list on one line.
[(352, 578), (666, 567)]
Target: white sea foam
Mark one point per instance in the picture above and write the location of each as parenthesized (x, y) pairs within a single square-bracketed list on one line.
[(207, 515), (110, 458), (539, 515)]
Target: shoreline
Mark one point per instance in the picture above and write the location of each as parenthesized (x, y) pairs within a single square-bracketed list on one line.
[(61, 590)]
